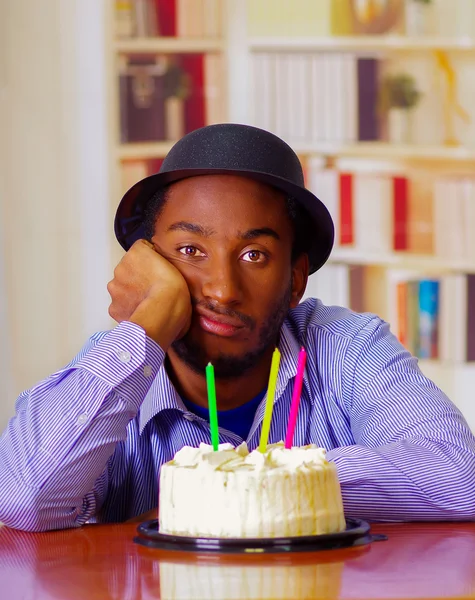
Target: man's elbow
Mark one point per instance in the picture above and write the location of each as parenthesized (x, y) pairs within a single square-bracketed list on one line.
[(29, 514), (457, 496)]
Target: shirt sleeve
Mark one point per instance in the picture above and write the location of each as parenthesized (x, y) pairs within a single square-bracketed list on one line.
[(414, 454), (54, 452)]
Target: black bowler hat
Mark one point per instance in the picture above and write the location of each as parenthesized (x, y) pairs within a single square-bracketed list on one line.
[(230, 148)]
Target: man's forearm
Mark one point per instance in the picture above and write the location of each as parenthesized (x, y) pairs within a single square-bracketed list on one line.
[(407, 481), (54, 452)]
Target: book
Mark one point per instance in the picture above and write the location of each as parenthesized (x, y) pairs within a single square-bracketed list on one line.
[(142, 98), (163, 97), (470, 349), (412, 316), (346, 224), (400, 212), (195, 105), (428, 318), (325, 184), (124, 14), (368, 91), (166, 17)]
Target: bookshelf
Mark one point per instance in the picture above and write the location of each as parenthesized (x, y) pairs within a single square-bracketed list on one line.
[(167, 45), (381, 150), (143, 150), (421, 161), (421, 153), (406, 260), (167, 63), (377, 43)]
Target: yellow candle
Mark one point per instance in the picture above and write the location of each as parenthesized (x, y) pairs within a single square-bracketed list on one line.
[(270, 400)]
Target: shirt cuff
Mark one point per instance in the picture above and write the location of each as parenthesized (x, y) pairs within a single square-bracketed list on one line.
[(126, 359)]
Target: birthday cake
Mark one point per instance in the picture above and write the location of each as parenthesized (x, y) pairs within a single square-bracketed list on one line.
[(234, 493)]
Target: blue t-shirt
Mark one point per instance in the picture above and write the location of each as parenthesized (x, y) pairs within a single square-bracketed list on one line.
[(238, 420)]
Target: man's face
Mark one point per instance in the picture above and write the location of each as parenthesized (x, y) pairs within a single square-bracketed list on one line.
[(231, 239)]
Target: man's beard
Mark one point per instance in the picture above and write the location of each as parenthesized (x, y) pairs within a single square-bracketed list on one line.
[(228, 366)]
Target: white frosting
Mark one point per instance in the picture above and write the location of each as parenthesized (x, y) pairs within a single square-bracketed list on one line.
[(237, 493), (229, 458)]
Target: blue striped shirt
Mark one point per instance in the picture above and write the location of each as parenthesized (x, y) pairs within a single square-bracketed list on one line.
[(86, 444)]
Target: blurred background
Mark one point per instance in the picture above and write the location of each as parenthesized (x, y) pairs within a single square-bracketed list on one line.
[(377, 97)]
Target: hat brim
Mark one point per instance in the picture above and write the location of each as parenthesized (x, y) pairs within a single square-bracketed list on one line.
[(128, 224)]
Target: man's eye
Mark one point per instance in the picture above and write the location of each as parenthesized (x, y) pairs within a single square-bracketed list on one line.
[(190, 251), (254, 256)]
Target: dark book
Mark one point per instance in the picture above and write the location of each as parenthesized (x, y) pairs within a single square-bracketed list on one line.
[(471, 317), (142, 100), (368, 87)]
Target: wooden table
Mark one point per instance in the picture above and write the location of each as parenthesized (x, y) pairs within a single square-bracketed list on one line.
[(101, 562)]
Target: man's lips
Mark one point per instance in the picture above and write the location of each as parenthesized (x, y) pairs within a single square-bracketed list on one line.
[(218, 324)]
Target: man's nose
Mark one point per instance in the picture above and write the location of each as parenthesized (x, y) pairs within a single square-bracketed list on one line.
[(223, 283)]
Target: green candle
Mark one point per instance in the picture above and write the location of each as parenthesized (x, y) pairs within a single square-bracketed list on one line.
[(212, 406)]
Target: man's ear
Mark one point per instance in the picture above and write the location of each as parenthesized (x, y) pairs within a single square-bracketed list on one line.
[(299, 279)]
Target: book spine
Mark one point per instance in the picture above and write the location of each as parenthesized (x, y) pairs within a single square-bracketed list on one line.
[(413, 316), (428, 318), (124, 18), (166, 17), (470, 318), (195, 109), (401, 308), (346, 209), (400, 213), (368, 123), (214, 100)]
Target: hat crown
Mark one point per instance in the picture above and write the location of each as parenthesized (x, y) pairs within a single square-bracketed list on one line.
[(235, 146)]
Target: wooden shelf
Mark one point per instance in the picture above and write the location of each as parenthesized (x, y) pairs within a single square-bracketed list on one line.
[(400, 260), (376, 43), (143, 150), (167, 45), (384, 150), (378, 150)]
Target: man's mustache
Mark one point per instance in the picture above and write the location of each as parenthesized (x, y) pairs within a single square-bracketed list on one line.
[(228, 312)]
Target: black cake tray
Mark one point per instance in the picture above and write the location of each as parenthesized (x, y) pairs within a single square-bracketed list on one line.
[(357, 533)]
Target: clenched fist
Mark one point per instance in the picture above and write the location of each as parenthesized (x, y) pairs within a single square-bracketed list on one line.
[(149, 291)]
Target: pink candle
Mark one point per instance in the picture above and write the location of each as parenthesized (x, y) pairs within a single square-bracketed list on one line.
[(296, 398)]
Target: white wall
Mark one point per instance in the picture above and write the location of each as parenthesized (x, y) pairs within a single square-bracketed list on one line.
[(54, 194)]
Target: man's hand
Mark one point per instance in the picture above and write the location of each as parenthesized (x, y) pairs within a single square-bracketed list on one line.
[(149, 291)]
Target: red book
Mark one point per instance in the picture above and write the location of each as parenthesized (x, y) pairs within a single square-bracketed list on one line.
[(346, 209), (195, 109), (166, 16), (400, 213), (153, 165)]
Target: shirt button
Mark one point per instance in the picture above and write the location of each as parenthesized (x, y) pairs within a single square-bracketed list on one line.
[(147, 370), (124, 356), (82, 419), (188, 417)]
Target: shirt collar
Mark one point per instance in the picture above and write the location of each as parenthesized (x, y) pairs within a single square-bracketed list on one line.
[(162, 395)]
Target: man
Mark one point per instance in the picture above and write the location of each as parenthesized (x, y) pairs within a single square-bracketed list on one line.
[(220, 244)]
